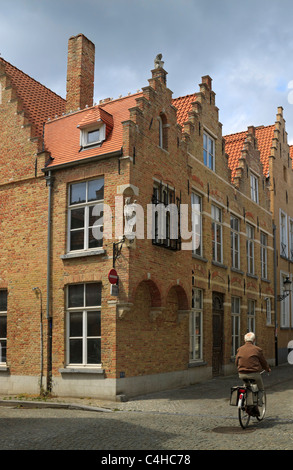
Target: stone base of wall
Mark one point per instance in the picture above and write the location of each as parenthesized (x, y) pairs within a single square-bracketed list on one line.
[(91, 385)]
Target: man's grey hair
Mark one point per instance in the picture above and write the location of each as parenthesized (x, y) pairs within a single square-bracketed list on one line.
[(249, 337)]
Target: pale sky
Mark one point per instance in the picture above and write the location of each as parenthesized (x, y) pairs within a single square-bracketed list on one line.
[(245, 46)]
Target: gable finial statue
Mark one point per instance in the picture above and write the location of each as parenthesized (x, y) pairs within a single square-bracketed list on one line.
[(158, 61)]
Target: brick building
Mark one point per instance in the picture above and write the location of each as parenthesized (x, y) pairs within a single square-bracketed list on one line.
[(70, 188), (275, 155)]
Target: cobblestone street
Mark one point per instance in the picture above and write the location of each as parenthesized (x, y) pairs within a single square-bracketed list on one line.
[(198, 417)]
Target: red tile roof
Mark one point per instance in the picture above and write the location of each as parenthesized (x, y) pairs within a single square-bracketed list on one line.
[(62, 135), (234, 144), (39, 102), (184, 106)]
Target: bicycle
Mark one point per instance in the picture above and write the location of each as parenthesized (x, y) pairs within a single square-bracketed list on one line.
[(248, 402)]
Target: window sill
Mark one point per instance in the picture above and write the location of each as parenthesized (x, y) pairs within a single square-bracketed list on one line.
[(235, 270), (80, 254), (253, 276), (196, 364), (82, 370), (4, 368), (201, 258), (265, 280), (220, 265)]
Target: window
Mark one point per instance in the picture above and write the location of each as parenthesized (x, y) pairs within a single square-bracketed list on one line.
[(84, 324), (250, 248), (235, 316), (264, 255), (285, 305), (163, 132), (196, 202), (251, 315), (217, 234), (209, 151), (196, 325), (254, 187), (283, 235), (3, 325), (166, 217), (85, 214), (291, 238), (235, 242), (268, 311), (92, 136)]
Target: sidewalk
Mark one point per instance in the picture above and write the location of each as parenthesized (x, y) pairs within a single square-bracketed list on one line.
[(193, 399)]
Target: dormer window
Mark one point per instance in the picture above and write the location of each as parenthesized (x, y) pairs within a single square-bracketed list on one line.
[(95, 127), (92, 136)]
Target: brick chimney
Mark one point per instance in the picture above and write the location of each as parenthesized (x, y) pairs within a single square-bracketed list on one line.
[(80, 73)]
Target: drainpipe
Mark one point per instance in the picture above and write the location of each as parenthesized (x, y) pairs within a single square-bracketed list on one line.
[(49, 182), (275, 295)]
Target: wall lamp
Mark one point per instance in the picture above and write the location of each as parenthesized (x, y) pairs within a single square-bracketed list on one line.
[(286, 291)]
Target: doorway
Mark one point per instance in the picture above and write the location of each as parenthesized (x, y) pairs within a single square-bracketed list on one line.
[(218, 317)]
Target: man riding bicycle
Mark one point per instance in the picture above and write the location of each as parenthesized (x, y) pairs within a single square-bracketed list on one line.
[(250, 362)]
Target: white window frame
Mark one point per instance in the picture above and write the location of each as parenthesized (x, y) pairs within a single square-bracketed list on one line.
[(264, 255), (235, 240), (250, 249), (291, 238), (268, 311), (235, 319), (84, 337), (3, 340), (196, 319), (283, 234), (251, 315), (85, 132), (197, 239), (209, 151), (96, 206), (254, 188), (285, 304), (217, 224)]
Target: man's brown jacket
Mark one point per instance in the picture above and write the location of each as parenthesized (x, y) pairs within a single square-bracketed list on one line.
[(250, 358)]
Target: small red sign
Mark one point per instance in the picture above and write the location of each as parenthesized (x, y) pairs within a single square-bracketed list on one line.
[(113, 276)]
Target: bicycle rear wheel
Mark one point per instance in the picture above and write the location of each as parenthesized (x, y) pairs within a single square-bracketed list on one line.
[(243, 416), (262, 408)]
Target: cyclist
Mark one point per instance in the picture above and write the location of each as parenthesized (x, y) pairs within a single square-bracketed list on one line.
[(250, 362)]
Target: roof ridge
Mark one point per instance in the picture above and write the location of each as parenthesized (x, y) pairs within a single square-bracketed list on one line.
[(31, 78), (257, 128), (184, 96)]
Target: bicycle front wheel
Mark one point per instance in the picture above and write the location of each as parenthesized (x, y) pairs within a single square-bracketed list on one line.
[(262, 408), (243, 416)]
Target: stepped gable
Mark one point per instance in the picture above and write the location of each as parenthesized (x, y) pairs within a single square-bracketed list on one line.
[(234, 145), (38, 101)]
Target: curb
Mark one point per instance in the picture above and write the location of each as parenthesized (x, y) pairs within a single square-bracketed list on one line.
[(69, 406)]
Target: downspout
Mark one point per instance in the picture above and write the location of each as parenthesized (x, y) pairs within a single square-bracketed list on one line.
[(275, 295), (49, 182)]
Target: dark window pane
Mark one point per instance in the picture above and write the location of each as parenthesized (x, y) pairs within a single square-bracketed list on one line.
[(93, 136), (93, 294), (3, 351), (94, 351), (77, 193), (94, 323), (75, 353), (75, 324), (95, 239), (96, 190), (77, 218), (75, 295), (3, 327), (77, 240), (3, 300)]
